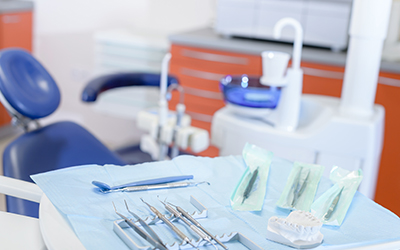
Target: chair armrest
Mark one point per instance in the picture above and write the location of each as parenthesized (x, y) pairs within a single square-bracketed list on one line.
[(103, 83), (20, 189)]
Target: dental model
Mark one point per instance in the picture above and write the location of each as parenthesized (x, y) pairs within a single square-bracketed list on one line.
[(300, 230)]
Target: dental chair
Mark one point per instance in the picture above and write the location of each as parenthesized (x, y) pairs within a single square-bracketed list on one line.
[(28, 92)]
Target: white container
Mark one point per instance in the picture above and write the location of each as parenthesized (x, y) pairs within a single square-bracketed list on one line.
[(274, 65)]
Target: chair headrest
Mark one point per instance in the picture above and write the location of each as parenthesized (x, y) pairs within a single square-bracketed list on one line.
[(26, 85)]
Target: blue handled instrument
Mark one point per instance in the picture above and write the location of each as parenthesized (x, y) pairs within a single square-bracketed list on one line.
[(106, 188)]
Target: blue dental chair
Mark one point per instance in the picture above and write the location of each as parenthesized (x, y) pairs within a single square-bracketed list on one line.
[(28, 92)]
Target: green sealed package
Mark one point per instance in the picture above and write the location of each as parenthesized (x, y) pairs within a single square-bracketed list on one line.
[(301, 186), (249, 193), (331, 207)]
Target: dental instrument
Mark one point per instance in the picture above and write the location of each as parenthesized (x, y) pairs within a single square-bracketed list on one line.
[(250, 191), (250, 185), (202, 213), (297, 188), (144, 225), (195, 229), (180, 111), (195, 222), (333, 206), (143, 234), (163, 106), (155, 186), (168, 223), (162, 131), (105, 187), (301, 187)]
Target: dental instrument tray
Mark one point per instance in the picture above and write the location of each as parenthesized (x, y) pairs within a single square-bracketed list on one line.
[(120, 226), (247, 91)]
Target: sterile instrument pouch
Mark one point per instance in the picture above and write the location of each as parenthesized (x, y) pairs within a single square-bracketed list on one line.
[(249, 193), (331, 207), (301, 186)]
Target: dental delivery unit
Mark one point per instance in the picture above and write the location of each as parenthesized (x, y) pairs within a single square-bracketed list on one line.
[(271, 112)]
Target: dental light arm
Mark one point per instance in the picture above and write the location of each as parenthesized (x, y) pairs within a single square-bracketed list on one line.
[(368, 30)]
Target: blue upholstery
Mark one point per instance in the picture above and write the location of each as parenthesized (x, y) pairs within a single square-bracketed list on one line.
[(30, 91), (56, 146), (26, 84), (103, 83)]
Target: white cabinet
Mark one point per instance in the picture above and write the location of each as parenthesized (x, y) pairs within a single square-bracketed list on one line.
[(270, 12), (325, 22)]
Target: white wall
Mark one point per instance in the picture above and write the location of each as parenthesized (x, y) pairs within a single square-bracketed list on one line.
[(60, 16), (63, 42)]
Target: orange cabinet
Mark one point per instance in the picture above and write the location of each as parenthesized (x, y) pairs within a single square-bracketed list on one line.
[(15, 31), (199, 71)]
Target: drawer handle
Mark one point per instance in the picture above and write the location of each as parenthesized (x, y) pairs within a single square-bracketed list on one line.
[(11, 19), (389, 81), (200, 117), (323, 73), (214, 57), (202, 74), (339, 75), (203, 93)]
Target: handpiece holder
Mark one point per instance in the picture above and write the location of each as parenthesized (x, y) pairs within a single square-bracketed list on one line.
[(165, 127), (288, 109)]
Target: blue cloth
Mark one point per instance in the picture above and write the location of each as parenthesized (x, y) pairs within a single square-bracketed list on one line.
[(91, 213)]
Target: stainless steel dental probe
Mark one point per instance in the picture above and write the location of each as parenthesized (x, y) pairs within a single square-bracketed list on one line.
[(333, 206), (141, 233), (172, 226), (195, 229), (144, 225), (194, 221)]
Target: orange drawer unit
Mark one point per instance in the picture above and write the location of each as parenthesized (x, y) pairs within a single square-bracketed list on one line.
[(15, 31), (199, 72)]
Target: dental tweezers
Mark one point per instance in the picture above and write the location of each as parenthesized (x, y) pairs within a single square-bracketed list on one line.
[(298, 188)]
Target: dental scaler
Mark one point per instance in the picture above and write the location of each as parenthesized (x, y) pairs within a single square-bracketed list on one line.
[(168, 223)]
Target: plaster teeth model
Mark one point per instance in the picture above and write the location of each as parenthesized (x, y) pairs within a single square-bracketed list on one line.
[(300, 229)]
